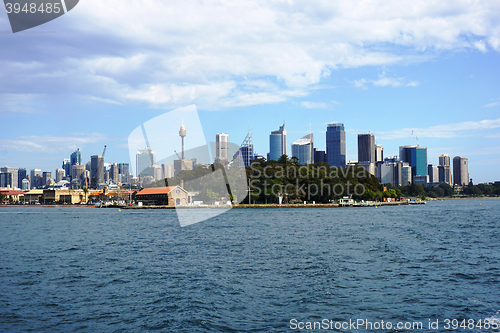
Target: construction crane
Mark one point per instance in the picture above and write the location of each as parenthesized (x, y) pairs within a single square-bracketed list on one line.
[(179, 156)]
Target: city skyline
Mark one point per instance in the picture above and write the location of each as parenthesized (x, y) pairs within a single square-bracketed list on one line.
[(432, 73)]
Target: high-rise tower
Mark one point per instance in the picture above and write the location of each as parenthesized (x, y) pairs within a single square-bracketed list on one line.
[(335, 145), (277, 143)]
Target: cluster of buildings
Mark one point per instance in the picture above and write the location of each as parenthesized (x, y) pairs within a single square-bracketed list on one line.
[(411, 166)]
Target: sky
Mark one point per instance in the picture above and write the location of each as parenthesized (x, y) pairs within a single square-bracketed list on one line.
[(90, 77)]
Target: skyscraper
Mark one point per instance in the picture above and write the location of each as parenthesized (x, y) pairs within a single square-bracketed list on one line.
[(379, 153), (76, 157), (21, 175), (319, 156), (277, 143), (433, 172), (124, 172), (96, 170), (366, 148), (460, 170), (247, 149), (15, 177), (222, 149), (66, 165), (36, 178), (416, 157), (303, 149), (60, 174), (444, 169), (335, 145), (113, 173), (144, 159), (46, 178)]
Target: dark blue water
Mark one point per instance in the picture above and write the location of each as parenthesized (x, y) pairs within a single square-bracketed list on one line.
[(101, 270)]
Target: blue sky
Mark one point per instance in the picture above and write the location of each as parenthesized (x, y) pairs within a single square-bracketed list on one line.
[(91, 76)]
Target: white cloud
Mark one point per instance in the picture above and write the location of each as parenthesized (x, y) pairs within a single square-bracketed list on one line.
[(207, 52), (490, 105), (48, 144), (314, 105), (385, 81), (444, 131)]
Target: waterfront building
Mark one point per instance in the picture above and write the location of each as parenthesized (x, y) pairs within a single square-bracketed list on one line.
[(170, 195), (366, 148), (303, 149), (277, 143), (460, 171), (416, 157), (336, 145)]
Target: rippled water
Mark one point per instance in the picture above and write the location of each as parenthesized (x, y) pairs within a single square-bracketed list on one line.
[(249, 270)]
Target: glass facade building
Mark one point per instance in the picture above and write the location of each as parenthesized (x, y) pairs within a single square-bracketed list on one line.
[(335, 145), (277, 144), (303, 149)]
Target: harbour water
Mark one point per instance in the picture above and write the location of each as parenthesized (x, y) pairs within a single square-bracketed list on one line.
[(249, 270)]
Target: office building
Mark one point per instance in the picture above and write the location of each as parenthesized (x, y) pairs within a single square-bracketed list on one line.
[(277, 144), (222, 149), (144, 159), (46, 178), (21, 175), (319, 156), (113, 173), (379, 153), (15, 176), (77, 172), (25, 184), (460, 171), (60, 174), (406, 174), (303, 149), (391, 171), (444, 170), (167, 170), (96, 170), (66, 165), (124, 172), (366, 148), (416, 157), (33, 174), (336, 145), (6, 180), (433, 173), (155, 172), (76, 157)]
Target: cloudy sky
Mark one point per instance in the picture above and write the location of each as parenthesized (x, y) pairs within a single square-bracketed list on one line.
[(92, 76)]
